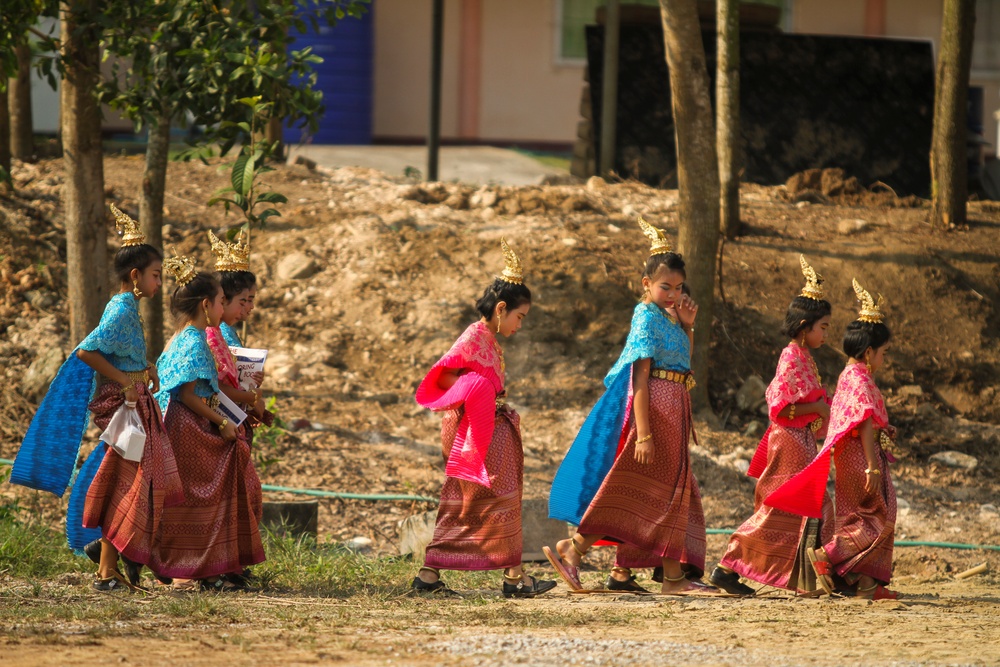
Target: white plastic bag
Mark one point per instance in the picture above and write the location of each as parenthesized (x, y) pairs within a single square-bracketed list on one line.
[(125, 433)]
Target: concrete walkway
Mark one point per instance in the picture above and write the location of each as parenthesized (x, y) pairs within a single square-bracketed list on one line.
[(468, 164)]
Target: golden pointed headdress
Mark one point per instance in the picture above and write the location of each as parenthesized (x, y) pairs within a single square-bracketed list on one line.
[(513, 272), (814, 282), (128, 228), (182, 269), (870, 311), (230, 256), (659, 244)]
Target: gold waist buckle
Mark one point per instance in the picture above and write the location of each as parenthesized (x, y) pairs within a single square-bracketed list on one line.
[(686, 379)]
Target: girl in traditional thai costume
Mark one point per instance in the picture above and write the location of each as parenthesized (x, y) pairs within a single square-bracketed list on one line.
[(860, 550), (239, 284), (628, 476), (232, 264), (116, 505), (479, 518), (770, 547), (215, 531)]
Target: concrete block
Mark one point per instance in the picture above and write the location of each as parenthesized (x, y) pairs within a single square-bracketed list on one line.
[(538, 530)]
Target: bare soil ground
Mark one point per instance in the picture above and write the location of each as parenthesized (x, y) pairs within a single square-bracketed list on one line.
[(397, 268)]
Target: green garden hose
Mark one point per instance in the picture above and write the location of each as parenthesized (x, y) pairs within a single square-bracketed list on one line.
[(427, 499)]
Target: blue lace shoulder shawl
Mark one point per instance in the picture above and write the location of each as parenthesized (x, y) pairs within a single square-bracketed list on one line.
[(230, 336), (188, 359), (652, 336), (48, 454)]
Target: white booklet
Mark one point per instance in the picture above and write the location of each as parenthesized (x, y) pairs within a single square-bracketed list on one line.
[(248, 361), (228, 409)]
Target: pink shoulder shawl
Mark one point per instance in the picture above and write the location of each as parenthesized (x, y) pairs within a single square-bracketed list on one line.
[(476, 352), (794, 381), (856, 400), (224, 361)]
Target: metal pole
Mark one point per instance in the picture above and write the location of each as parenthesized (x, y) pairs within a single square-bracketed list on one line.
[(609, 86), (434, 130)]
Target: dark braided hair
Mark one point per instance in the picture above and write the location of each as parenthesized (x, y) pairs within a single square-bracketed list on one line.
[(134, 257)]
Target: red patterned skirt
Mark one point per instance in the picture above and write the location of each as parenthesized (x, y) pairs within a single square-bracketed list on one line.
[(865, 523), (215, 531), (654, 509), (770, 546), (127, 498), (479, 528)]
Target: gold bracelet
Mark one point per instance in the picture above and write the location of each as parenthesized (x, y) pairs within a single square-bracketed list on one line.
[(642, 440), (223, 425), (791, 411), (872, 471)]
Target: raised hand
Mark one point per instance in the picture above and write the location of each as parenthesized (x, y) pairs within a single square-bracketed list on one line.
[(687, 311)]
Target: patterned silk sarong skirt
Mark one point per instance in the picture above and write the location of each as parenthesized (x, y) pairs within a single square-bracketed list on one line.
[(479, 528), (654, 509), (216, 529), (769, 547), (865, 523), (127, 498)]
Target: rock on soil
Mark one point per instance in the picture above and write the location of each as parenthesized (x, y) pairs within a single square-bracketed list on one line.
[(955, 460)]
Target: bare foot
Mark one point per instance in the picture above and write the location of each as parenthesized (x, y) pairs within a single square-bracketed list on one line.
[(567, 553)]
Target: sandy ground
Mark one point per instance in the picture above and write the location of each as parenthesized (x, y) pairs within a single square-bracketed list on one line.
[(949, 623)]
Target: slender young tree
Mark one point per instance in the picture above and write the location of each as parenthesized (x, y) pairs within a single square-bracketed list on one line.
[(697, 171), (727, 114), (949, 169), (22, 140), (5, 180), (186, 59), (83, 161)]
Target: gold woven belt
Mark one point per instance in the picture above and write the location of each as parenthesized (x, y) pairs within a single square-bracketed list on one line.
[(135, 376), (686, 379)]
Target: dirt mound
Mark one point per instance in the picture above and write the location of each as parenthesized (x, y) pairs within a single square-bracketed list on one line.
[(395, 268), (832, 185)]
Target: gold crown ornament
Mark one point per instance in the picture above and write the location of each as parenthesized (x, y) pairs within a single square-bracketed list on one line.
[(814, 282), (659, 245), (870, 312), (128, 228), (513, 272), (182, 269), (230, 256)]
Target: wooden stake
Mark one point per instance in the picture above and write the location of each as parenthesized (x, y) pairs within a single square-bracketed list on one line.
[(973, 571)]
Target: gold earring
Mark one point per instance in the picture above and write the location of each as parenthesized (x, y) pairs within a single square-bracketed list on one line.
[(498, 321), (208, 318), (136, 290), (868, 363)]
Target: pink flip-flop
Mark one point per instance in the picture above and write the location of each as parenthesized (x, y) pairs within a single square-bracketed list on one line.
[(822, 570), (568, 573)]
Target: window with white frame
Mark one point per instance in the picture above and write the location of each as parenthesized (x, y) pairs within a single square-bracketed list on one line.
[(986, 44), (572, 16)]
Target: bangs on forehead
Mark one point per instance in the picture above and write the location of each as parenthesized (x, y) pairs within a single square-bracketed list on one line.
[(663, 275)]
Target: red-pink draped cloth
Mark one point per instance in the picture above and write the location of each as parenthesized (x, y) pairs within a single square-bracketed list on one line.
[(224, 360), (795, 381), (127, 498), (857, 399), (476, 352)]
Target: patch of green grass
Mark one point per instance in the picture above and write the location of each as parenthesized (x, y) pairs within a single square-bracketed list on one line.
[(29, 550)]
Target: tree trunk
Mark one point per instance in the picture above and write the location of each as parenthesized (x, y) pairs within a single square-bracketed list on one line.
[(949, 167), (273, 135), (5, 183), (154, 183), (727, 114), (83, 161), (21, 129), (697, 171)]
